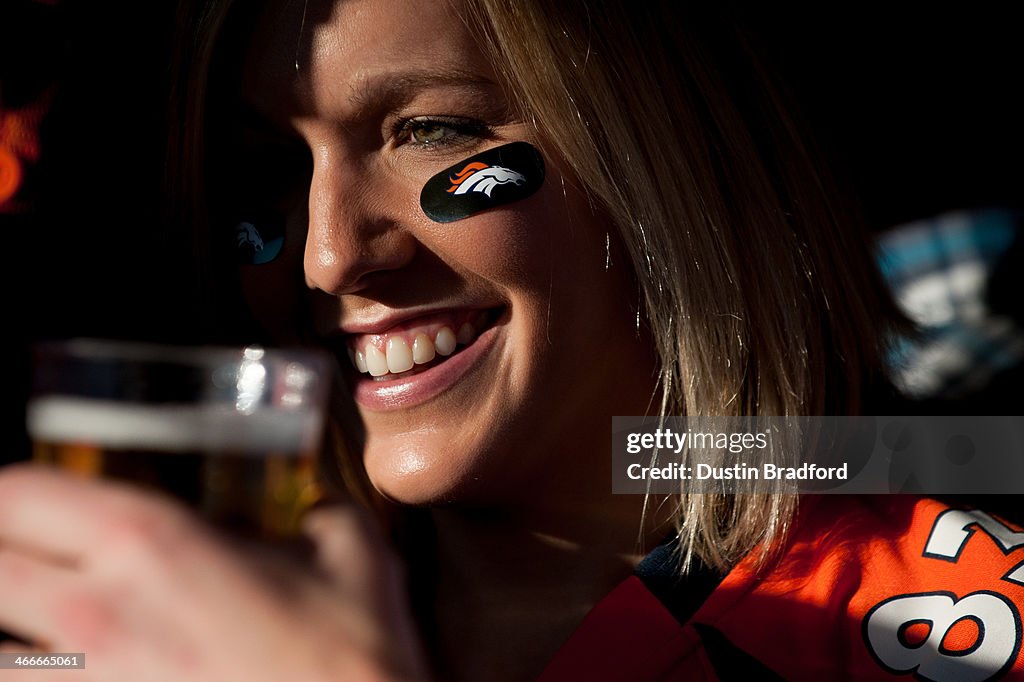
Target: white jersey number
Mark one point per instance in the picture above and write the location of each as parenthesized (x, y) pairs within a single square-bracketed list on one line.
[(931, 657), (952, 530), (912, 632)]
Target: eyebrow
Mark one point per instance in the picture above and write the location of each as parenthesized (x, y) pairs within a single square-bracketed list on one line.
[(395, 88), (379, 92)]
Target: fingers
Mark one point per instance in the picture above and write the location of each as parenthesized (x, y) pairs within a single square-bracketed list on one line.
[(34, 594), (105, 569), (49, 512), (19, 648)]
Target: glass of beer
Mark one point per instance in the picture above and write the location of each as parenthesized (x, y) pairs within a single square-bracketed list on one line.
[(232, 432)]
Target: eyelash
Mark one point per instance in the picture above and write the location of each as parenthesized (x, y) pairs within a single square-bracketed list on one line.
[(465, 131)]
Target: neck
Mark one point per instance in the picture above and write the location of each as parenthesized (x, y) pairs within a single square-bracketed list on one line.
[(501, 598)]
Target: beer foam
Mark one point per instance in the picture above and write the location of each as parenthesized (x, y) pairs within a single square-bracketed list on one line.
[(174, 428)]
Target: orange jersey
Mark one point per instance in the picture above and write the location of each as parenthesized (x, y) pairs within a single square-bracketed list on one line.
[(867, 588)]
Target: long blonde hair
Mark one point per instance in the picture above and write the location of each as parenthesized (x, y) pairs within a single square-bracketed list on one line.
[(753, 278)]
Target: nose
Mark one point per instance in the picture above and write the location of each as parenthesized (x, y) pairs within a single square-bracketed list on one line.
[(355, 232)]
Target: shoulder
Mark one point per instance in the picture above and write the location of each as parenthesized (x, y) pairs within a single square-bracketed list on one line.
[(867, 585), (866, 588)]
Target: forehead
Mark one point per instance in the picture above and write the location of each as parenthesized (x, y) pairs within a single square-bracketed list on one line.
[(322, 56)]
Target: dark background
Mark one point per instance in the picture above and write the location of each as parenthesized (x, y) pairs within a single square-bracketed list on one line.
[(919, 105), (918, 108)]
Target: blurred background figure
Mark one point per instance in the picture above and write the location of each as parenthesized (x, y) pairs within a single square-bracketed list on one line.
[(920, 113), (952, 275)]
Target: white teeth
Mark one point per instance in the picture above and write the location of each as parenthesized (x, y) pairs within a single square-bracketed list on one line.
[(376, 362), (399, 355), (422, 349), (466, 334), (445, 341)]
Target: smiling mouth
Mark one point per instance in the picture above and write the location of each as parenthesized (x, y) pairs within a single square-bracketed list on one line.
[(415, 348)]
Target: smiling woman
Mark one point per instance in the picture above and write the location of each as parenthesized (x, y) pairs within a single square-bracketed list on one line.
[(511, 221), (676, 249), (511, 303), (621, 284)]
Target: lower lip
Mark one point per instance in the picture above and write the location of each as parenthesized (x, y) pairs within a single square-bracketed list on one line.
[(397, 394)]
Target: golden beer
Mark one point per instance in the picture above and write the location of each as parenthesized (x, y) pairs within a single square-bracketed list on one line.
[(245, 460)]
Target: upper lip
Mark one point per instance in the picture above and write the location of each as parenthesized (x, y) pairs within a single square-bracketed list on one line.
[(381, 324)]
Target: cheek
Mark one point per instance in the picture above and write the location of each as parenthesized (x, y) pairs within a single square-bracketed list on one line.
[(552, 237), (548, 256), (579, 305)]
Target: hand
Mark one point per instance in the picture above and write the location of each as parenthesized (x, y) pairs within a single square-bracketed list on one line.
[(148, 592)]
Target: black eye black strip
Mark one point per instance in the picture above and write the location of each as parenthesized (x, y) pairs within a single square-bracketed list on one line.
[(492, 178)]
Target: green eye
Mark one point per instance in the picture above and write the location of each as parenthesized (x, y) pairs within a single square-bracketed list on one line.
[(431, 133), (435, 132)]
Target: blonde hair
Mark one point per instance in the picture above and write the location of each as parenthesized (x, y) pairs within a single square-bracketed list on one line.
[(753, 280), (756, 283)]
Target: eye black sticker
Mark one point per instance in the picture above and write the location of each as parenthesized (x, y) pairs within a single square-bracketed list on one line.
[(492, 178), (259, 238)]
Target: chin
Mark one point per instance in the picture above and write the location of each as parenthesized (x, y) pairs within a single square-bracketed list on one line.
[(430, 470), (411, 474)]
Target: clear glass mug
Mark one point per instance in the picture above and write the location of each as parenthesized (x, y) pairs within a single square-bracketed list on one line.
[(232, 432)]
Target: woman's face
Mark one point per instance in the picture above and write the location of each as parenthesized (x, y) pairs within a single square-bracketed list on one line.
[(386, 94)]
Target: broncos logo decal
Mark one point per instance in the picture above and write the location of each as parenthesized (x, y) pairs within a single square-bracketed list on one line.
[(255, 247), (483, 178), (466, 188), (248, 235)]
